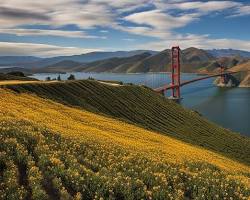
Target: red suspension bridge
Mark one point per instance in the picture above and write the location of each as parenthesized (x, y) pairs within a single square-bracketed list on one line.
[(176, 84)]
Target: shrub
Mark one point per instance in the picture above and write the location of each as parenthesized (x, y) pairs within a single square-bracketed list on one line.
[(71, 77)]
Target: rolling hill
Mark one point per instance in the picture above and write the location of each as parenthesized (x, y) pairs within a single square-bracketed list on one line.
[(66, 140), (192, 60), (113, 64), (60, 67), (244, 76), (83, 58), (228, 62), (228, 53)]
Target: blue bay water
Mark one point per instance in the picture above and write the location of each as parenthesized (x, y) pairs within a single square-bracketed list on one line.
[(228, 107)]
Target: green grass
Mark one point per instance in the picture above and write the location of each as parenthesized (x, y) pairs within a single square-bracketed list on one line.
[(145, 108)]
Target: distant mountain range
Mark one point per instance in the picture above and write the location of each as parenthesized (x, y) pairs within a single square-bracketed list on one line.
[(229, 52), (193, 60), (17, 60), (35, 62)]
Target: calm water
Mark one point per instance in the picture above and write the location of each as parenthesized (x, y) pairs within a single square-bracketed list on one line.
[(229, 107)]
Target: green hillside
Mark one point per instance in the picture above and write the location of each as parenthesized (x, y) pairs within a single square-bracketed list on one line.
[(143, 107)]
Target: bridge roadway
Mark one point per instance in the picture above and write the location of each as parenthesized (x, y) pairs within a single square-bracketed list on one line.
[(167, 87)]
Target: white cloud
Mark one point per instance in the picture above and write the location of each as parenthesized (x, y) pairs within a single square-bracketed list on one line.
[(201, 6), (160, 20), (84, 14), (155, 23), (43, 50), (199, 41), (39, 32)]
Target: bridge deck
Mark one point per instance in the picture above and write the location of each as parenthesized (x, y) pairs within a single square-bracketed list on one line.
[(167, 87)]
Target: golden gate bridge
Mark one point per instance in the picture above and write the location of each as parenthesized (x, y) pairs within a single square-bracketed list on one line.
[(176, 84)]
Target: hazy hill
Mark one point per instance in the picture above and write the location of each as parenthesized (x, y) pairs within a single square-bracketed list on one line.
[(228, 53), (192, 59), (62, 66), (12, 60), (113, 64), (84, 58)]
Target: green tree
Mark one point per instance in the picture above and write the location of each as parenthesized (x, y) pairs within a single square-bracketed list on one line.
[(59, 78), (71, 77)]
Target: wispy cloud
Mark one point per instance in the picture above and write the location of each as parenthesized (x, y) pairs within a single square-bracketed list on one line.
[(199, 41), (58, 33), (200, 6), (43, 50), (156, 23)]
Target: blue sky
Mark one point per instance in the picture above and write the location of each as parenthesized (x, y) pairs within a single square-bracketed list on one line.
[(66, 27)]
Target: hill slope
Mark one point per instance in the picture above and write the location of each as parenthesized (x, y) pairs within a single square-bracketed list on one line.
[(60, 67), (244, 76), (192, 60), (144, 108), (83, 58), (229, 53), (113, 64), (52, 151)]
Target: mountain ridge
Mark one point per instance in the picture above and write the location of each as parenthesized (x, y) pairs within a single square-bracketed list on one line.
[(192, 60)]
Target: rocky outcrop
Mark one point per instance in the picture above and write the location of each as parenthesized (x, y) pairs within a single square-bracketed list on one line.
[(229, 81)]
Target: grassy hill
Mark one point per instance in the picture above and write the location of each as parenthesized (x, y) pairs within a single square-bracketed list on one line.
[(146, 109), (51, 150)]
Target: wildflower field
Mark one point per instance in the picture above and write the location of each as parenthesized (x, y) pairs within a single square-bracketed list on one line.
[(50, 150)]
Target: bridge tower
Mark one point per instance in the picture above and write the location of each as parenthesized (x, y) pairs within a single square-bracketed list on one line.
[(176, 76), (223, 76)]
